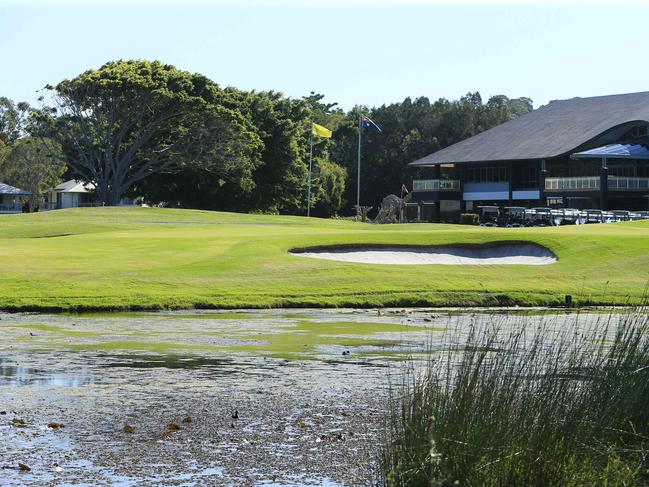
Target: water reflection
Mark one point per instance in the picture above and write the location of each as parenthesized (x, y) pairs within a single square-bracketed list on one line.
[(18, 375), (142, 361)]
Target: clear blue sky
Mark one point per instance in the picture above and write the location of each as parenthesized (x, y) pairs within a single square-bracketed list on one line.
[(370, 53)]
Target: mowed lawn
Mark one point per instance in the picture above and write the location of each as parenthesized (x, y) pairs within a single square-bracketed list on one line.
[(117, 258)]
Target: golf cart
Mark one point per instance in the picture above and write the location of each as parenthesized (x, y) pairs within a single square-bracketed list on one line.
[(489, 216), (514, 216)]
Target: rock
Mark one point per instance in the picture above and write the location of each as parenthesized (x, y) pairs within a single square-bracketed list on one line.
[(20, 423), (54, 425), (347, 352), (128, 428), (332, 437), (173, 427), (235, 414), (187, 419), (23, 467)]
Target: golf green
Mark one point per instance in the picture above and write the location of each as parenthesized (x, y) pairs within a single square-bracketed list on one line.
[(149, 258)]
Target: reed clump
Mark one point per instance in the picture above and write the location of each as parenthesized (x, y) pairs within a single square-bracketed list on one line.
[(547, 406)]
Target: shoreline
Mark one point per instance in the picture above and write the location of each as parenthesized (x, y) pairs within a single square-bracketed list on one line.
[(80, 310)]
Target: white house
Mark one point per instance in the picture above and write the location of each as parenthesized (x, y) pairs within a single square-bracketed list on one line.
[(10, 198), (71, 194)]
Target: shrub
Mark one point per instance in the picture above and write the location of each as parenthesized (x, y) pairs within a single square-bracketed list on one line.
[(469, 219), (544, 408)]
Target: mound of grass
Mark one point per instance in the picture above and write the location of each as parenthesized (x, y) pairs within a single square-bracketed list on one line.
[(546, 408), (151, 258)]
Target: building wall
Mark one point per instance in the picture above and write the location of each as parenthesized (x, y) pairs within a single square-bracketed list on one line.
[(486, 191), (520, 184)]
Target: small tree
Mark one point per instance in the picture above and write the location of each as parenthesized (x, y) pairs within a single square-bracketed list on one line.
[(34, 164), (329, 187)]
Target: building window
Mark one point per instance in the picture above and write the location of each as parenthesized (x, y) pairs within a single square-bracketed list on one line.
[(525, 176), (486, 174), (621, 170)]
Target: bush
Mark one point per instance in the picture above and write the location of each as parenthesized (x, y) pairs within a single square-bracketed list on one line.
[(545, 408), (469, 219)]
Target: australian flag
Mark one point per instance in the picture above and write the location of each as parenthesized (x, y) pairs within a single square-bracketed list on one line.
[(368, 124)]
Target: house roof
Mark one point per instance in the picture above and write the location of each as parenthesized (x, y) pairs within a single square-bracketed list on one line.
[(74, 186), (6, 189), (553, 130)]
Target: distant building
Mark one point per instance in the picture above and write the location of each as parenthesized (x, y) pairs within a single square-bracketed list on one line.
[(578, 153), (76, 194), (71, 194), (10, 198)]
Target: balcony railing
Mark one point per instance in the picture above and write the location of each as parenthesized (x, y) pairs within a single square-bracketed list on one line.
[(436, 185), (572, 184), (627, 184), (591, 183)]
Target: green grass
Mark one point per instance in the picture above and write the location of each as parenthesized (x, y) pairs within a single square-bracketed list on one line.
[(149, 258), (554, 409)]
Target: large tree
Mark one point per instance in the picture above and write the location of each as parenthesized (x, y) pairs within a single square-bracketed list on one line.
[(283, 125), (130, 119), (277, 184)]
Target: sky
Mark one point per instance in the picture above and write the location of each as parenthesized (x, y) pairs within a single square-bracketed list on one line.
[(354, 52)]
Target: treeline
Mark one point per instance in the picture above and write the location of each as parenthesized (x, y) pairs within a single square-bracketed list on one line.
[(140, 128)]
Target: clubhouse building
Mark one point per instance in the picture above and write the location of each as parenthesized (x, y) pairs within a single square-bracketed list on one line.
[(578, 153)]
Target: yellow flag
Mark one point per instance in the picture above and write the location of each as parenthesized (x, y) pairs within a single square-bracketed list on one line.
[(321, 131)]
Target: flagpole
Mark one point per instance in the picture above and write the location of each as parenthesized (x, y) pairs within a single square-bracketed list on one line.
[(358, 174), (308, 197)]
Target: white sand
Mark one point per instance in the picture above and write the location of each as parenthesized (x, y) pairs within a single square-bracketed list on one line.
[(525, 254)]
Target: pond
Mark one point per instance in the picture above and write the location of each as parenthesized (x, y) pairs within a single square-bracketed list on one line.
[(271, 397)]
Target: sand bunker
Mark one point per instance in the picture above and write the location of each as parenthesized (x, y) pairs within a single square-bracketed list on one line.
[(525, 254)]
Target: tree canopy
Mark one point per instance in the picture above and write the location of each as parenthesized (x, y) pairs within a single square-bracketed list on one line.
[(13, 120), (144, 128), (411, 130)]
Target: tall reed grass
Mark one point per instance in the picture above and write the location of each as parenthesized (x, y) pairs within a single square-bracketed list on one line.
[(514, 406)]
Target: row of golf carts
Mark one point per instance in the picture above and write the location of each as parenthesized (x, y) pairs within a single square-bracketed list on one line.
[(518, 216)]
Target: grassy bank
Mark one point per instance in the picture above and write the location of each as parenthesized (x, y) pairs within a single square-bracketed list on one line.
[(146, 258), (542, 408)]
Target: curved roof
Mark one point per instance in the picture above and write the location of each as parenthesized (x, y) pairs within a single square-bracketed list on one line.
[(553, 130)]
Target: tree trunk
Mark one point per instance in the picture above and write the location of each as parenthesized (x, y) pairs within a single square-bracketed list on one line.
[(111, 199)]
